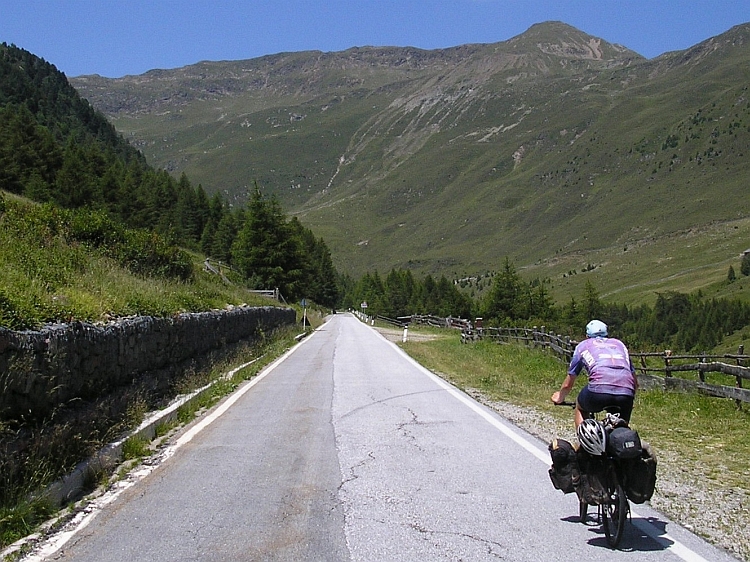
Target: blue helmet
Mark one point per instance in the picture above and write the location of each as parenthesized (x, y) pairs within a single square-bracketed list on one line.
[(596, 329)]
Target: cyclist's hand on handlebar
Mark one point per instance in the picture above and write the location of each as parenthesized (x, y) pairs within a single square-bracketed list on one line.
[(556, 398)]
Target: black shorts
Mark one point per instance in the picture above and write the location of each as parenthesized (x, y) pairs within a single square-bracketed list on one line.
[(591, 402)]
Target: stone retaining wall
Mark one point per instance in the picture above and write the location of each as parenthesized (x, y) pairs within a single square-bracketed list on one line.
[(56, 366)]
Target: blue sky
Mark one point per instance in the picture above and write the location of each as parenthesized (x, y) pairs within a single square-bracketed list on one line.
[(118, 37)]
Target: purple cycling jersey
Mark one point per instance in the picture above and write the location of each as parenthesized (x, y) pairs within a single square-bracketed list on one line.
[(607, 362)]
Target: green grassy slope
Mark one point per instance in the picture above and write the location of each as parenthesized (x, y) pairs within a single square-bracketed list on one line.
[(48, 275), (554, 148)]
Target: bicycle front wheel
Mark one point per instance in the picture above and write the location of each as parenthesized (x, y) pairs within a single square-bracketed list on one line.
[(614, 514)]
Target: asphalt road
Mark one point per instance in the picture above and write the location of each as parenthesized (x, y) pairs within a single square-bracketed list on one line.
[(346, 449)]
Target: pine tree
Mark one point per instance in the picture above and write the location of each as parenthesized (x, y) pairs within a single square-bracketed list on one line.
[(370, 289), (213, 218), (542, 303), (504, 299), (399, 289), (319, 277), (266, 251), (226, 232), (73, 185), (591, 307)]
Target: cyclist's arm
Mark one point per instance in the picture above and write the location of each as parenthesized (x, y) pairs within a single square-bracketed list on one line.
[(632, 371), (567, 385)]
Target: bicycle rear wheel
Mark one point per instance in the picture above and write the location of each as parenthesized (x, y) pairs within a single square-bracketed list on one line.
[(614, 514)]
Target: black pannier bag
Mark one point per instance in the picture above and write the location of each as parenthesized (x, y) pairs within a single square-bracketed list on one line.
[(564, 472), (639, 475), (624, 443), (591, 487)]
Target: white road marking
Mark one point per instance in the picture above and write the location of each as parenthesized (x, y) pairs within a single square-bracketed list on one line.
[(666, 541), (89, 513), (85, 517)]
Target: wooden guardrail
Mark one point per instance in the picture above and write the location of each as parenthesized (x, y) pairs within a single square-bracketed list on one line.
[(437, 321), (425, 320), (704, 373), (217, 268), (655, 369), (692, 372)]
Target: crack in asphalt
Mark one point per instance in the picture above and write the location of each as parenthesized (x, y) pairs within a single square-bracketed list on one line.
[(404, 429), (490, 545), (384, 400), (352, 470)]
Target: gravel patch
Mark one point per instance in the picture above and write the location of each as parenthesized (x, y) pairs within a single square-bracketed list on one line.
[(397, 335), (718, 514)]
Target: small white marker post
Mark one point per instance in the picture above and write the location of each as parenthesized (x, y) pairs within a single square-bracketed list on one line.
[(406, 334)]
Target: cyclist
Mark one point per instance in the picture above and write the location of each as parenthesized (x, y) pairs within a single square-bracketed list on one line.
[(612, 382)]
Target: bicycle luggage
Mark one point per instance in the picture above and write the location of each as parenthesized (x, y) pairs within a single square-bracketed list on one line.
[(564, 471), (624, 443), (591, 487), (639, 475)]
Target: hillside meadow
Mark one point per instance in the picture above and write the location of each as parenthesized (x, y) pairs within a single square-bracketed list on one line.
[(446, 161), (49, 276)]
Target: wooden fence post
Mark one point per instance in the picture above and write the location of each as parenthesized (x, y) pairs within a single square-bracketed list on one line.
[(643, 364), (740, 362)]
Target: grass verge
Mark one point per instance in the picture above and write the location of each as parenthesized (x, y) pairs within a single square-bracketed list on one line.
[(703, 429), (703, 480)]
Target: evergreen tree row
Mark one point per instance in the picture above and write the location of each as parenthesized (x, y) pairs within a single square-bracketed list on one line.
[(676, 321), (400, 294)]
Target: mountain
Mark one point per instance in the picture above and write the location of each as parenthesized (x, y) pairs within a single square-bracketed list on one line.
[(553, 148)]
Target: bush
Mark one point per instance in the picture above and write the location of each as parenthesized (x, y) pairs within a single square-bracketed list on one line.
[(10, 315), (147, 253), (94, 228)]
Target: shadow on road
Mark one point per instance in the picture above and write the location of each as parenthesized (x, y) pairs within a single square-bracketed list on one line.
[(634, 539)]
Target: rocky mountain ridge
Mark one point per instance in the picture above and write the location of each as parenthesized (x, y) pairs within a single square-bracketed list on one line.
[(448, 160)]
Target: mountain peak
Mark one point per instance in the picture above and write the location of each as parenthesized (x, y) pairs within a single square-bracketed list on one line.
[(561, 39)]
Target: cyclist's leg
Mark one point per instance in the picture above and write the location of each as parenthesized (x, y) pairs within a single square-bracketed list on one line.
[(580, 415), (589, 402), (586, 405)]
